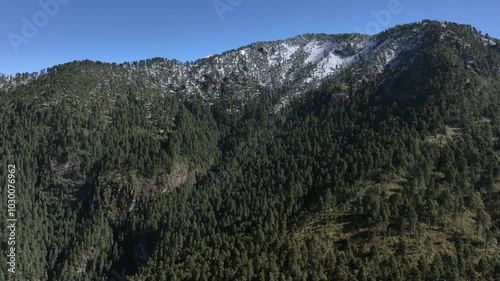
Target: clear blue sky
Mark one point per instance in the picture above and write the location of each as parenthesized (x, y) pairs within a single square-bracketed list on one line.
[(118, 31)]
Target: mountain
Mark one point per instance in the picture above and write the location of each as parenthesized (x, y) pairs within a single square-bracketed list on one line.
[(298, 63), (319, 157)]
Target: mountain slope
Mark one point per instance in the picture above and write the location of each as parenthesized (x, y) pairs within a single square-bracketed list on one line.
[(320, 157), (295, 64)]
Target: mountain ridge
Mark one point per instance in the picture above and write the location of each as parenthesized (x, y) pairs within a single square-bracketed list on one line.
[(387, 169), (301, 62)]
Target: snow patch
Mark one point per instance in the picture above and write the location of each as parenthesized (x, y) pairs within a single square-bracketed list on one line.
[(390, 54), (330, 64), (289, 51), (316, 51)]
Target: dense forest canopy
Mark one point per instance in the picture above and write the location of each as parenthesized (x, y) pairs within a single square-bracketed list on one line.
[(378, 172)]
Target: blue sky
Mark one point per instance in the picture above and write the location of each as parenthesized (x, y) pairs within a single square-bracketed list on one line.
[(33, 38)]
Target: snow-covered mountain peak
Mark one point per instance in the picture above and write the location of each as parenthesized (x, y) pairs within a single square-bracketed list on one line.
[(294, 65)]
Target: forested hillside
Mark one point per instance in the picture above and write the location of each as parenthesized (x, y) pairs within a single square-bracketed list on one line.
[(385, 168)]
